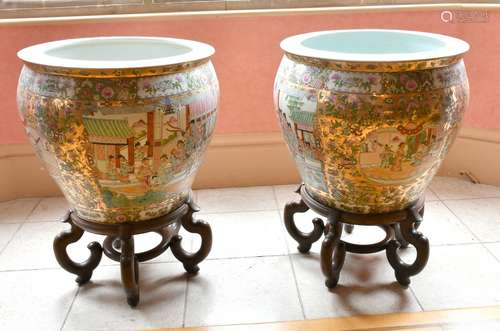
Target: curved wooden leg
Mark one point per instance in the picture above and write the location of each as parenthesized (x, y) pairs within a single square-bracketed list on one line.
[(129, 269), (304, 239), (399, 235), (116, 243), (112, 247), (408, 231), (332, 252), (84, 269), (349, 228), (191, 260)]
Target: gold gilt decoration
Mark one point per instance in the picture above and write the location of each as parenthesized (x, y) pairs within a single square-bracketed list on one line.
[(113, 73), (369, 141), (123, 146), (376, 67)]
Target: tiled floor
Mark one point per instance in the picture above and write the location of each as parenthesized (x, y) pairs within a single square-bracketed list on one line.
[(254, 273)]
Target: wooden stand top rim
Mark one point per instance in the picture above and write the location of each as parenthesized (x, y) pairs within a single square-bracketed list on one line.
[(355, 218), (115, 229)]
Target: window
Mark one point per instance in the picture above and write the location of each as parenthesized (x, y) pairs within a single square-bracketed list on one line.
[(46, 8)]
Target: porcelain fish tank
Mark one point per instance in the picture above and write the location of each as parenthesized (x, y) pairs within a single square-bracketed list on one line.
[(121, 123), (369, 115)]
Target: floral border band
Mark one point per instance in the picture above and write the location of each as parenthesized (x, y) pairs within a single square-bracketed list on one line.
[(113, 73), (376, 66)]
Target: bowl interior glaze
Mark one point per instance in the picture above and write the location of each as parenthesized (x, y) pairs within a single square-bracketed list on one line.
[(116, 52), (369, 45)]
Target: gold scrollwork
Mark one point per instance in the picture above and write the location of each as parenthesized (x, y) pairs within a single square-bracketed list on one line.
[(378, 66), (115, 73)]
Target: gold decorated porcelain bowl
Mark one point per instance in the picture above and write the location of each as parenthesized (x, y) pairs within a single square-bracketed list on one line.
[(369, 115), (121, 123)]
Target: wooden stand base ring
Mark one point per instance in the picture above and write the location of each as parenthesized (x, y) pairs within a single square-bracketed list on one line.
[(119, 245), (400, 228)]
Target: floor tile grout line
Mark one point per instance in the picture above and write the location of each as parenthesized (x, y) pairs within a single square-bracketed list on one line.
[(287, 247), (19, 226), (296, 281), (28, 270), (188, 278), (462, 243), (491, 253), (155, 262), (280, 217), (233, 212), (242, 211), (184, 311), (463, 223), (275, 197), (246, 257), (416, 298), (234, 188), (69, 309), (15, 233), (289, 253), (294, 275), (435, 194), (38, 201), (158, 262), (301, 303), (200, 212), (458, 244), (44, 221), (12, 222), (33, 209), (117, 264), (469, 198)]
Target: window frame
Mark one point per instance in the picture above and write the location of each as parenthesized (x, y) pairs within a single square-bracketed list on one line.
[(206, 6)]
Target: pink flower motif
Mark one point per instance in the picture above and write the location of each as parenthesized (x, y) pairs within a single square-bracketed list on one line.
[(411, 106), (65, 83), (99, 86), (335, 76), (352, 99), (147, 85), (178, 78), (411, 85), (86, 93), (306, 78), (372, 79), (403, 78), (107, 92), (121, 218)]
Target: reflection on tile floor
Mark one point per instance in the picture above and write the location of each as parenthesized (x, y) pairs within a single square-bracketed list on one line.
[(254, 273)]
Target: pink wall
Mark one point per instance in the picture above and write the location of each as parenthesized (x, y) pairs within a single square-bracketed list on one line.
[(248, 53)]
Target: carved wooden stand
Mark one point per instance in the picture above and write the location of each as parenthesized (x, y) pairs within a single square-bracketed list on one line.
[(119, 245), (400, 228)]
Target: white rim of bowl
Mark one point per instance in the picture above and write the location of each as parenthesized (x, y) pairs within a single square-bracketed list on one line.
[(453, 46), (37, 54)]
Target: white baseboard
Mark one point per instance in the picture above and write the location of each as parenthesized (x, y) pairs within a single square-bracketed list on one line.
[(248, 160), (476, 151)]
